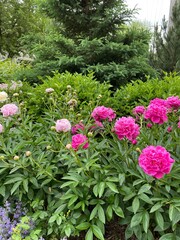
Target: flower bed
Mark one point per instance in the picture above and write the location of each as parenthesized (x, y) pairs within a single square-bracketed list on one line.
[(76, 173)]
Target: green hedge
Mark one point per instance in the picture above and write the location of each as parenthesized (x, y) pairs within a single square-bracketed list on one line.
[(140, 93), (82, 88)]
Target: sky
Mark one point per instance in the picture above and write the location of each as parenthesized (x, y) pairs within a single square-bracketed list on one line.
[(150, 11)]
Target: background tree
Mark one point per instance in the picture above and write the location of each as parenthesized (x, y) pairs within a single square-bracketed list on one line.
[(165, 51), (93, 36), (88, 18), (17, 18)]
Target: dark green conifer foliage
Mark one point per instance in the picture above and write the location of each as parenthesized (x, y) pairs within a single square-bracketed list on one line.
[(89, 18), (92, 35), (165, 52)]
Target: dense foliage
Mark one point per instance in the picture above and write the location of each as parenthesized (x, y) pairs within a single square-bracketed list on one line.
[(118, 59), (165, 55), (139, 92), (93, 19), (71, 187), (18, 18)]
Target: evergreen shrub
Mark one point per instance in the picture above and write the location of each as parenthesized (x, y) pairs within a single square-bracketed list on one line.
[(140, 93)]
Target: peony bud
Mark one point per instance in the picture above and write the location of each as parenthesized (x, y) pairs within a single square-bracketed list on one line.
[(48, 147), (68, 146), (138, 150), (28, 153), (90, 134), (16, 157), (69, 87), (15, 94)]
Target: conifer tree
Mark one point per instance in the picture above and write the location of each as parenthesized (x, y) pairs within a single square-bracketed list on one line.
[(93, 36), (165, 52), (89, 18)]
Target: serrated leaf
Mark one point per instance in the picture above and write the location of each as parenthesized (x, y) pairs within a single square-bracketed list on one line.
[(97, 232), (112, 186)]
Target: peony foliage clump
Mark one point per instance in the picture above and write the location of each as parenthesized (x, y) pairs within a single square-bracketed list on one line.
[(75, 173)]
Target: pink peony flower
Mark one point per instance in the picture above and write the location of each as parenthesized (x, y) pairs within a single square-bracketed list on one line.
[(63, 125), (159, 102), (156, 113), (98, 124), (77, 127), (138, 110), (155, 161), (149, 125), (126, 127), (103, 113), (49, 90), (169, 129), (9, 109), (1, 128), (79, 140), (173, 102)]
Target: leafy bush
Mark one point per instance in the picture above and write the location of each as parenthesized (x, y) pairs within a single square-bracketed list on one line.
[(70, 191), (8, 68), (140, 93), (68, 86)]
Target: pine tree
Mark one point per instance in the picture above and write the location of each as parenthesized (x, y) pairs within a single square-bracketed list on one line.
[(165, 52), (89, 18), (92, 36)]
